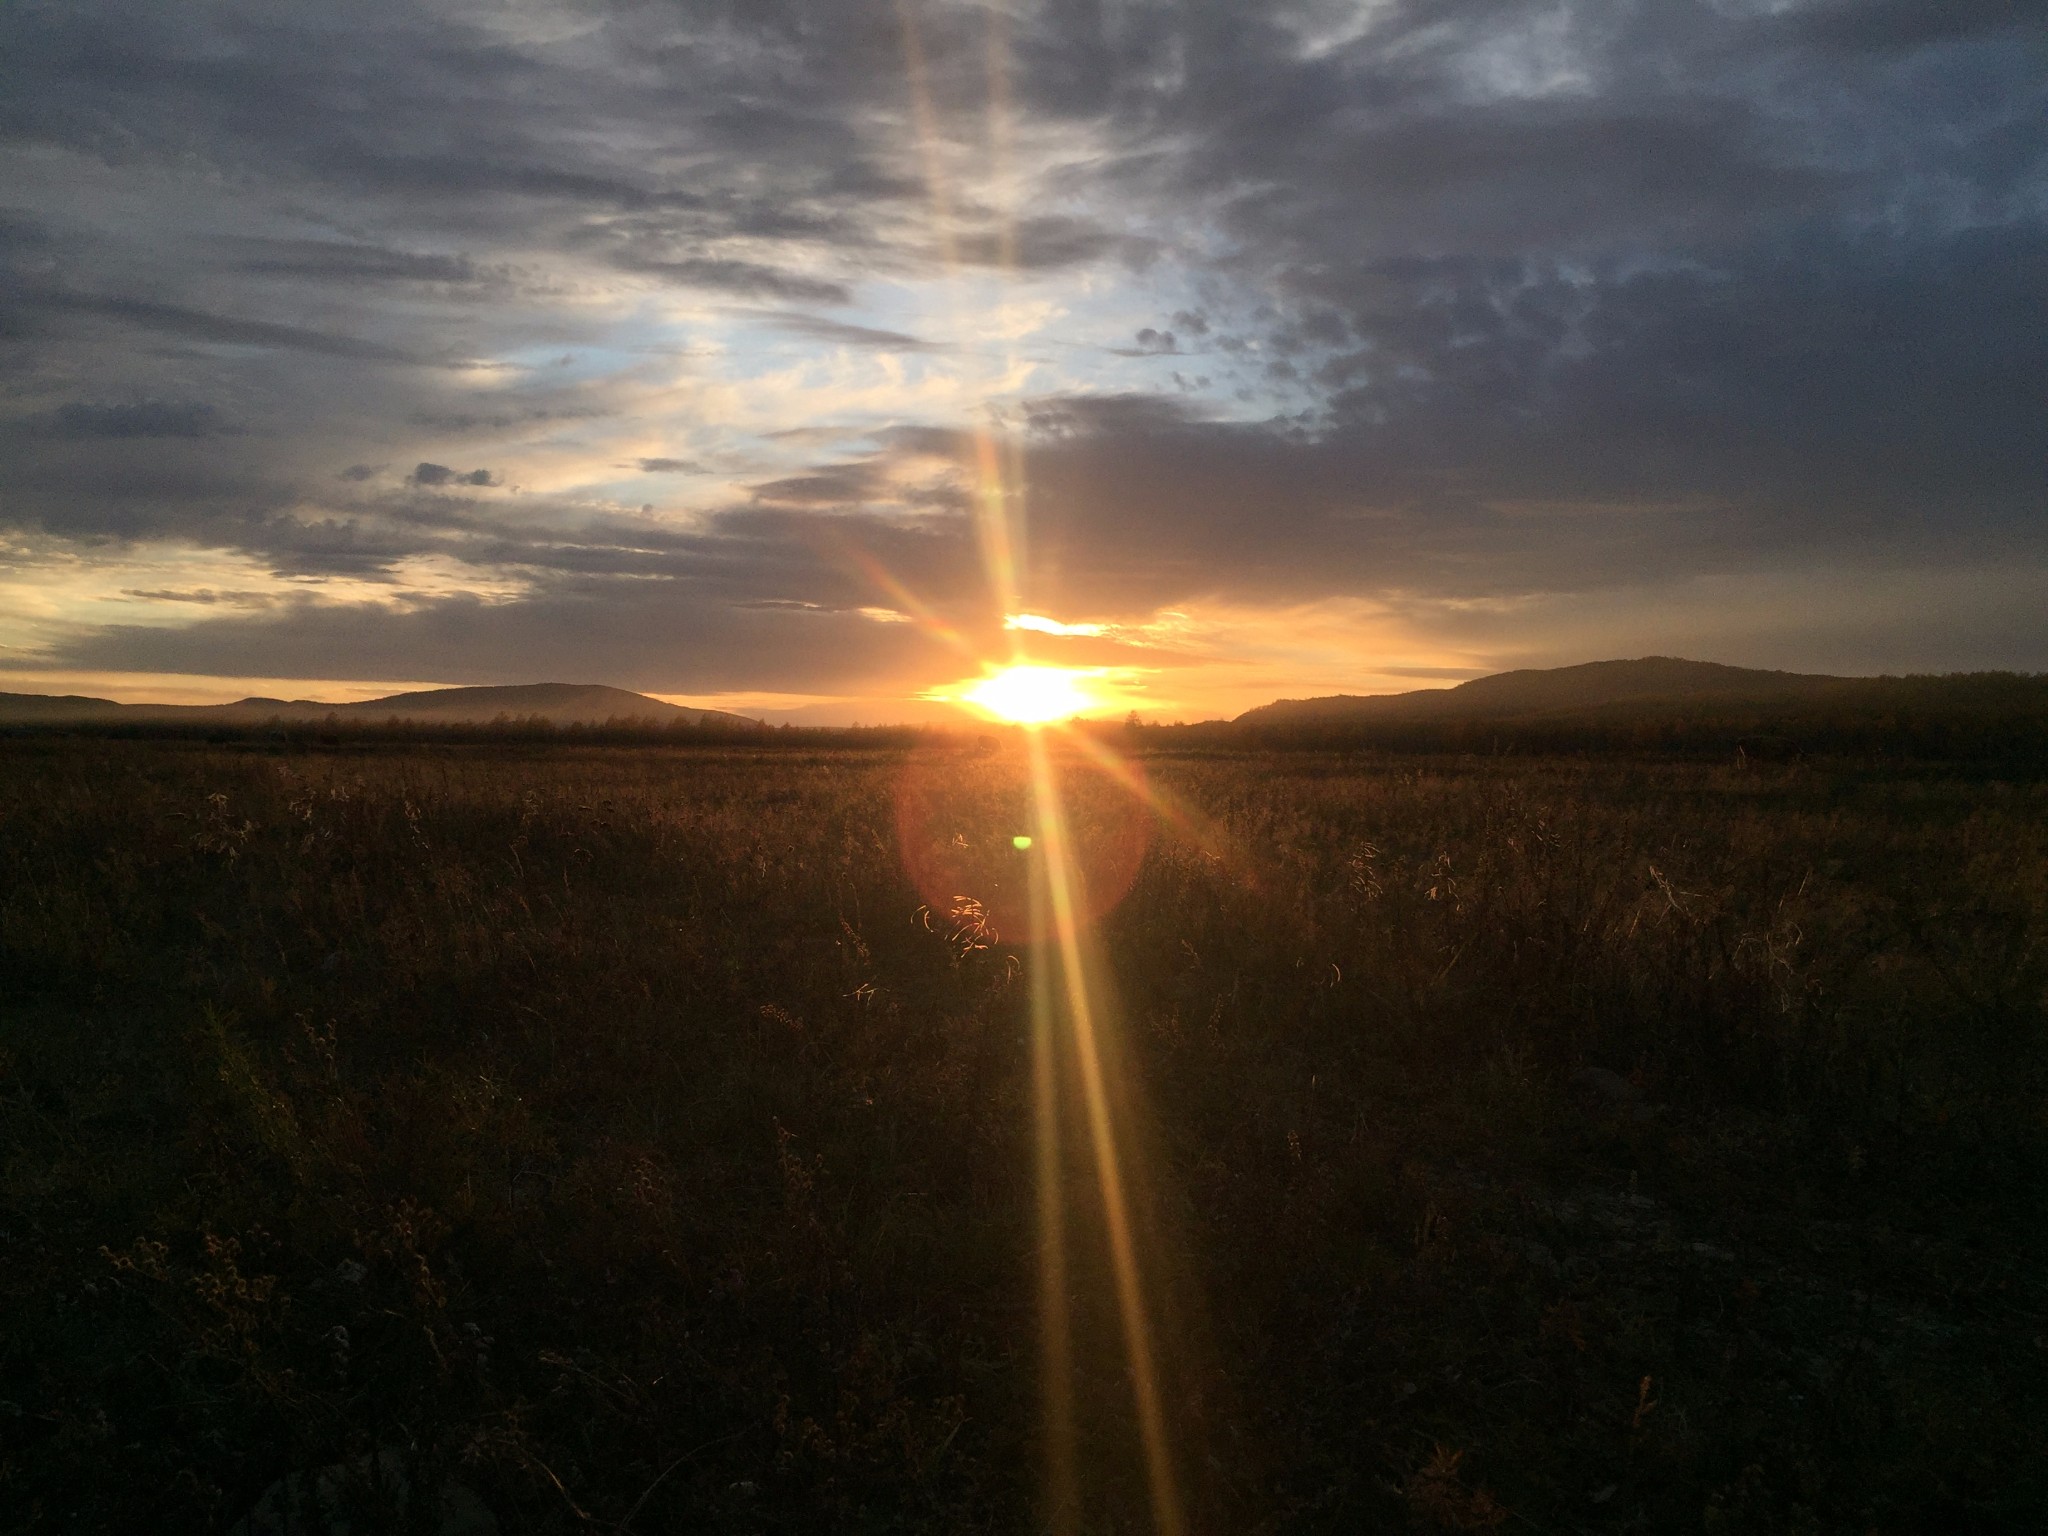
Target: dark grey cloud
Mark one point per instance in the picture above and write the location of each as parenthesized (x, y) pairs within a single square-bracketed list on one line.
[(840, 333), (140, 418), (1722, 287), (1150, 342), (205, 597), (352, 262), (441, 474), (647, 635), (829, 486), (729, 275), (1047, 242), (501, 420), (1894, 26), (755, 597), (1497, 300), (228, 330)]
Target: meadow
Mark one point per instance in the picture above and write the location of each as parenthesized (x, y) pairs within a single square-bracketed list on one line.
[(642, 1137)]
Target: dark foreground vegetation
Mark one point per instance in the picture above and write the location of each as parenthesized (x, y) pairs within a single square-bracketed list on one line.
[(1546, 1144)]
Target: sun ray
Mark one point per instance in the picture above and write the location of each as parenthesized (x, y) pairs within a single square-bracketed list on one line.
[(1183, 819), (1067, 905), (1056, 1350), (1064, 998), (906, 601)]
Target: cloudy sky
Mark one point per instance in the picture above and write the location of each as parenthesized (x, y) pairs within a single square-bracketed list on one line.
[(721, 350)]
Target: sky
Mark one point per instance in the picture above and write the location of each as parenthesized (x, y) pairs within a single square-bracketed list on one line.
[(806, 358)]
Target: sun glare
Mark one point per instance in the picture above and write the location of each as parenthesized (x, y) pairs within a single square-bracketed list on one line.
[(1027, 694), (1040, 624)]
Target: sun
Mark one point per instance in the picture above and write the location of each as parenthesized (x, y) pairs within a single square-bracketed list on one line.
[(1028, 694)]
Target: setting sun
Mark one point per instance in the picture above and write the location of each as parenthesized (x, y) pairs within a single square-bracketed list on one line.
[(1026, 694)]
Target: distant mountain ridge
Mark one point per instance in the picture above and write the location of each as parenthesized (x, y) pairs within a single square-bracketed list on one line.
[(1539, 691), (557, 703)]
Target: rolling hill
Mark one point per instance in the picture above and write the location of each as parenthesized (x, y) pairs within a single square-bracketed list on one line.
[(1596, 685), (557, 703)]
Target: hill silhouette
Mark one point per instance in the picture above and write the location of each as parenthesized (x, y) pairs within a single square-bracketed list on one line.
[(1540, 691), (1665, 704), (556, 703)]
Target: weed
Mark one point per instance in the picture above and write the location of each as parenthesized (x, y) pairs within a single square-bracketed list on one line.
[(636, 1134)]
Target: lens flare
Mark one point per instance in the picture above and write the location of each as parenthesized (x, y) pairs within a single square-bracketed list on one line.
[(957, 834)]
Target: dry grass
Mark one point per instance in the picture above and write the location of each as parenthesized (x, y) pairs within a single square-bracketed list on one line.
[(625, 1133)]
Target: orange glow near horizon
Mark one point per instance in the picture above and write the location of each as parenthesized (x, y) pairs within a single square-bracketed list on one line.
[(1029, 694)]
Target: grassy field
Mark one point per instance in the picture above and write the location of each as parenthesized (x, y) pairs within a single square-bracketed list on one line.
[(638, 1138)]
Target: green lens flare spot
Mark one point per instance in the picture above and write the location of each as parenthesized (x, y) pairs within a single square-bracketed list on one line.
[(1020, 842)]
